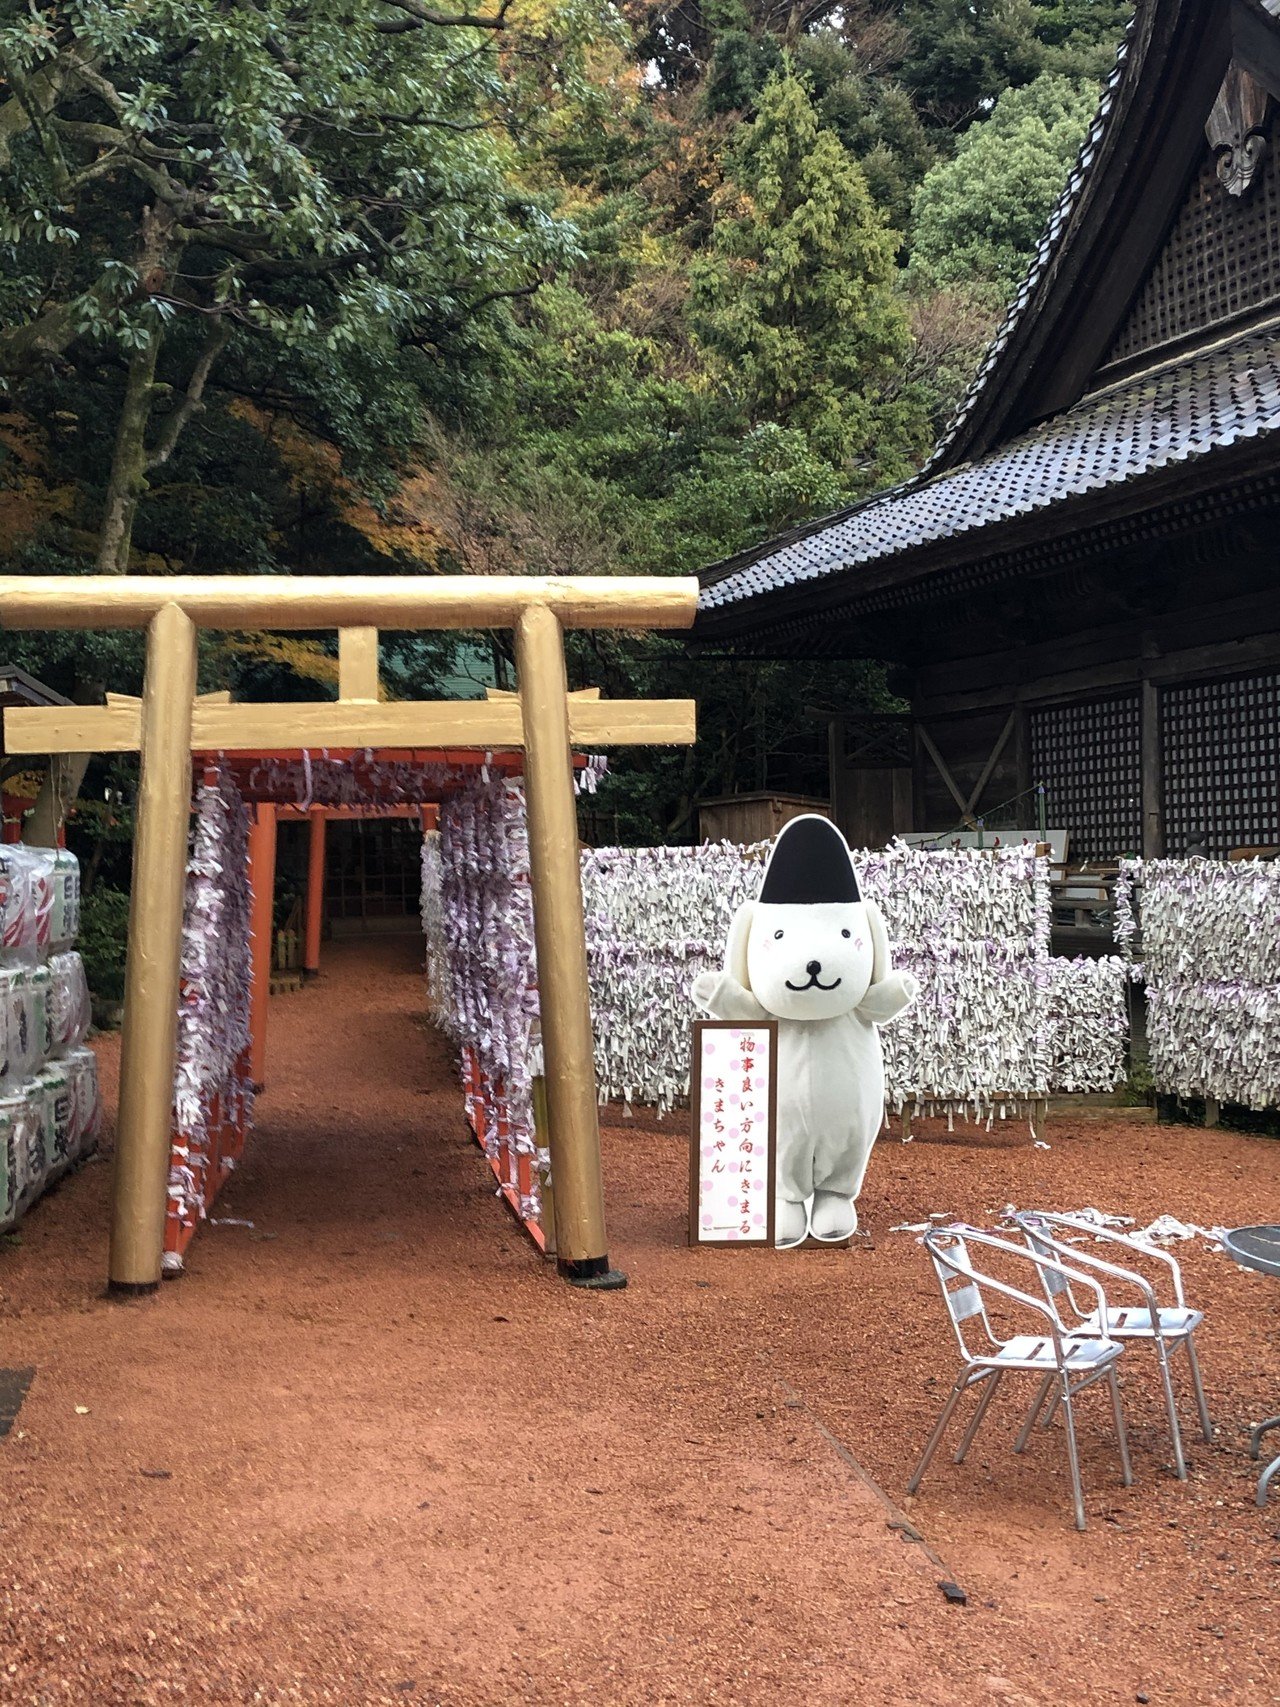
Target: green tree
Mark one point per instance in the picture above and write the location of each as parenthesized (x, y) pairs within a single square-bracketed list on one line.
[(311, 177), (740, 66), (962, 53), (874, 117), (796, 296), (1081, 36), (979, 216)]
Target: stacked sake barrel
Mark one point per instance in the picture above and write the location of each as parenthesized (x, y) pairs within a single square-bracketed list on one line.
[(49, 1110)]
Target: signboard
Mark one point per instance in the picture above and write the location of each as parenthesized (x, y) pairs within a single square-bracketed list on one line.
[(733, 1147)]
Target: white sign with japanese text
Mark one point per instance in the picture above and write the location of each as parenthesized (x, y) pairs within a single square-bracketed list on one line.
[(733, 1096)]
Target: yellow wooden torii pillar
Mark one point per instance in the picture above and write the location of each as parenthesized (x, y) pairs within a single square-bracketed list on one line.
[(169, 722)]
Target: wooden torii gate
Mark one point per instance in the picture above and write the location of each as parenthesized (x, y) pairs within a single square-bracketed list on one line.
[(169, 722)]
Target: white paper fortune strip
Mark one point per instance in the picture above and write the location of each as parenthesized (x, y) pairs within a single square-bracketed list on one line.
[(210, 1082), (997, 1022), (1206, 936), (477, 912)]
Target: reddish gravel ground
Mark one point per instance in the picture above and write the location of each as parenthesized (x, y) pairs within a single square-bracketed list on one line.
[(370, 1450)]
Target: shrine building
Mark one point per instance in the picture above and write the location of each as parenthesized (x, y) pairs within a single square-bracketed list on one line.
[(1080, 588)]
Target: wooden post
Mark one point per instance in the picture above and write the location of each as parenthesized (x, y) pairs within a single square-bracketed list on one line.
[(152, 976), (358, 664), (1152, 762), (836, 774), (262, 880), (919, 794), (1024, 781), (569, 1055), (315, 891)]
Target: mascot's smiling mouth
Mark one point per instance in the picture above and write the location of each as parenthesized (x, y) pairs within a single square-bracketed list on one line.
[(815, 983)]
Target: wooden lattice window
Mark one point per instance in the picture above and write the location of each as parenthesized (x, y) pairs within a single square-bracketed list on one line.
[(1221, 764), (1221, 258), (373, 870), (1088, 755)]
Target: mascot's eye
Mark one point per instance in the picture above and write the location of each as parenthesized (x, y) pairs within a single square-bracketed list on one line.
[(777, 936), (846, 933)]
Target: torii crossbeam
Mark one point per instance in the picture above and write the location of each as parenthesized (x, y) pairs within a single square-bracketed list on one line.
[(169, 722)]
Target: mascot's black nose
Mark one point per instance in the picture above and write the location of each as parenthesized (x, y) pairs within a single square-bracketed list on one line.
[(813, 968)]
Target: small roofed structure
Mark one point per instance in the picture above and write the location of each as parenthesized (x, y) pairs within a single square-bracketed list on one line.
[(1079, 588), (20, 687)]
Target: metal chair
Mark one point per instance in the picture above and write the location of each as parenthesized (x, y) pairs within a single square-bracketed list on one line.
[(1164, 1327), (1070, 1361)]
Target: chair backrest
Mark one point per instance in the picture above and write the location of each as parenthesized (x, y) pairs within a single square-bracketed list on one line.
[(963, 1284), (1045, 1228), (1054, 1279), (961, 1292)]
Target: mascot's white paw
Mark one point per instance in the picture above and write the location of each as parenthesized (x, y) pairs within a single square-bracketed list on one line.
[(834, 1217), (790, 1223)]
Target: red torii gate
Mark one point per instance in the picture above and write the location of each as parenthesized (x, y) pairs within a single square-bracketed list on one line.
[(266, 813), (228, 1128)]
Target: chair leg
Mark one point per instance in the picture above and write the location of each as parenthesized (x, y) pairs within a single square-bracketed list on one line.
[(1256, 1433), (1073, 1453), (1265, 1480), (1122, 1436), (1206, 1426), (1046, 1420), (1024, 1434), (1170, 1405), (993, 1381), (962, 1381)]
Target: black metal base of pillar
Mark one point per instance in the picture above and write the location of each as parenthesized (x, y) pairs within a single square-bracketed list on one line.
[(591, 1273), (122, 1289)]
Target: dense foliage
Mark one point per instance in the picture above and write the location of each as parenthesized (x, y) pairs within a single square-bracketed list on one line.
[(547, 285)]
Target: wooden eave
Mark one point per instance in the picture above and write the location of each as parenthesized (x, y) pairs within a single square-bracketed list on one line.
[(1127, 198), (822, 616)]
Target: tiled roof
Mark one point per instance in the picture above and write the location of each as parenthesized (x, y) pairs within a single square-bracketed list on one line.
[(805, 551), (1167, 416), (1046, 248)]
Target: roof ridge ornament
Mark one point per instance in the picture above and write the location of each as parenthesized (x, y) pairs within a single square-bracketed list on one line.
[(1236, 129)]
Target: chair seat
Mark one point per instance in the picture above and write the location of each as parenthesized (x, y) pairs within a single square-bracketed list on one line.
[(1035, 1351), (1133, 1322)]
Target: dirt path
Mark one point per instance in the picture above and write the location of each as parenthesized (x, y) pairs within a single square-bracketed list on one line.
[(370, 1450)]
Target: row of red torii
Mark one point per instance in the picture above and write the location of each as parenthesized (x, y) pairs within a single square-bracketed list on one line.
[(170, 723)]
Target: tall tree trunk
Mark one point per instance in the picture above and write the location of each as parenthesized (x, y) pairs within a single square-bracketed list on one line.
[(128, 477), (125, 485), (59, 789)]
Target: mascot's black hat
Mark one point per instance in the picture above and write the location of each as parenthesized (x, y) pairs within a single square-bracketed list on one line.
[(809, 864)]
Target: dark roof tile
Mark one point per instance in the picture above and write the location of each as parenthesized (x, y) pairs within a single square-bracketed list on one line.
[(1181, 411)]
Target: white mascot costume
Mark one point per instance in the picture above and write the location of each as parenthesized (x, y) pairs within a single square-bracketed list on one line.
[(812, 954)]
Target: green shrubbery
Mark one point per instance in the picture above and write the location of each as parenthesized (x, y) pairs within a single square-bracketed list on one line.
[(104, 936)]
